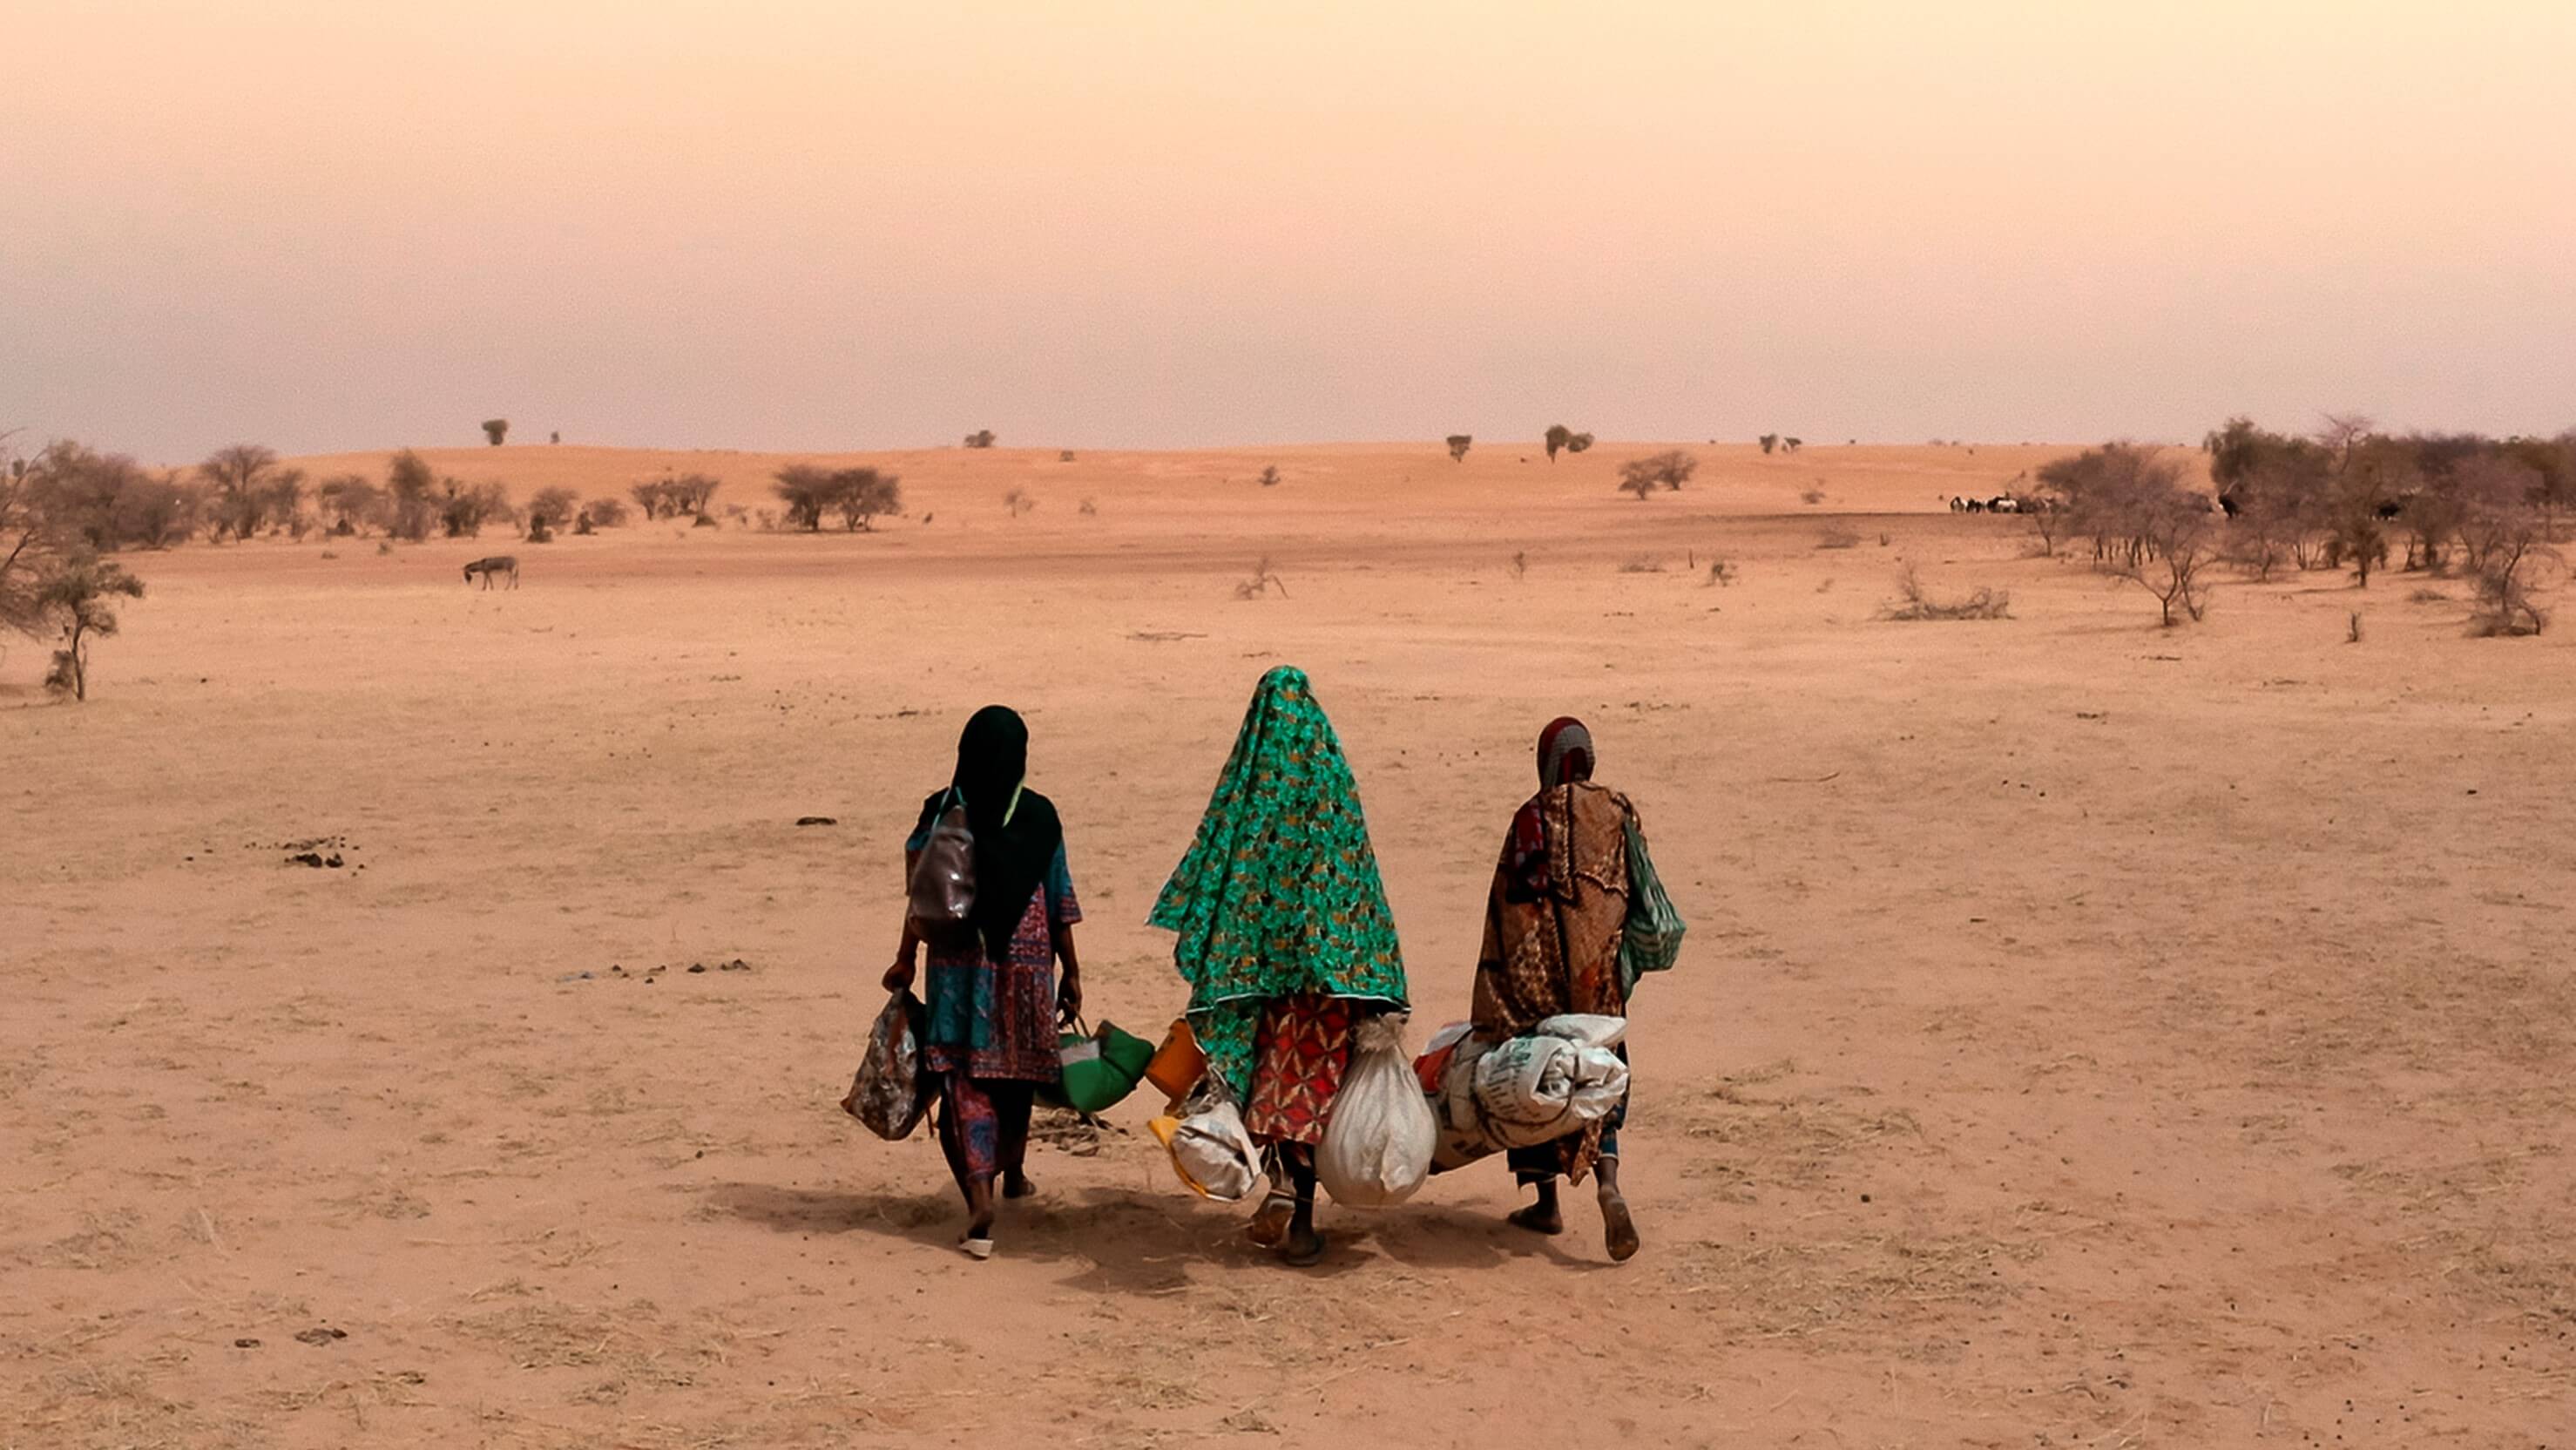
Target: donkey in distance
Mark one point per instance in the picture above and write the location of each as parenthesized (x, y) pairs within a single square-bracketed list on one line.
[(493, 568)]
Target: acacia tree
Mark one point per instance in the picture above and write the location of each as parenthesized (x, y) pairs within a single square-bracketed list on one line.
[(351, 502), (1668, 470), (238, 476), (980, 438), (2178, 546), (27, 547), (415, 504), (1768, 441), (1558, 435), (79, 596), (807, 489), (496, 429), (861, 494), (1578, 443), (551, 509), (1458, 444)]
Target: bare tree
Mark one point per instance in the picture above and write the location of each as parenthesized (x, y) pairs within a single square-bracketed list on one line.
[(2179, 543), (351, 502), (1458, 445), (237, 475)]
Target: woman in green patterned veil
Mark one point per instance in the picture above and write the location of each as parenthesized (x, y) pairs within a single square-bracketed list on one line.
[(1284, 938)]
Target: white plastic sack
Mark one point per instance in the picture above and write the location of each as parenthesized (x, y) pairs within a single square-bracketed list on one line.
[(1378, 1143), (1584, 1029), (1538, 1088), (1211, 1151)]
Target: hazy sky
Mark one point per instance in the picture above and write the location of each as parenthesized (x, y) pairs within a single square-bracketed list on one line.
[(336, 223)]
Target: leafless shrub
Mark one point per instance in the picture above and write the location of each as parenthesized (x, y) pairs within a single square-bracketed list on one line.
[(1838, 537), (1018, 502), (1264, 579), (1642, 564), (1914, 602), (2428, 596), (2176, 545), (1458, 446), (1721, 573), (1520, 564), (1065, 456), (1667, 470), (1087, 509), (1813, 494), (1269, 475), (2510, 567), (980, 438)]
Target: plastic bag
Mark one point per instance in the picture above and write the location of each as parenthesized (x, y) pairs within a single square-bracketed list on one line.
[(1210, 1150), (1652, 938), (1378, 1143), (1537, 1088), (886, 1092)]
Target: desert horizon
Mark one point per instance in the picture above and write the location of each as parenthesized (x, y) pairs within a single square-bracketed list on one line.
[(1888, 763)]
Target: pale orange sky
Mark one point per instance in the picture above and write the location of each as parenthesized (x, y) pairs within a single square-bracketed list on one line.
[(337, 223)]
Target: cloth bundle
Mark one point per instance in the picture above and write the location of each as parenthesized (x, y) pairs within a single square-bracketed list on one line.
[(1523, 1091)]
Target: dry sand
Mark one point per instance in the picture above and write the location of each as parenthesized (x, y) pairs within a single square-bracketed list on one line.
[(2089, 1035)]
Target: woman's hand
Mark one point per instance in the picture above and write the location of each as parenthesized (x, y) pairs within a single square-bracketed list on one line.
[(898, 977), (1068, 997)]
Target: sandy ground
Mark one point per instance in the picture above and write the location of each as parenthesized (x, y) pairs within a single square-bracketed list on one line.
[(2089, 1035)]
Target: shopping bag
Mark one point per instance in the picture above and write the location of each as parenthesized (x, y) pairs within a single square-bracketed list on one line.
[(1210, 1150), (886, 1093), (1378, 1142), (1651, 940), (1099, 1069)]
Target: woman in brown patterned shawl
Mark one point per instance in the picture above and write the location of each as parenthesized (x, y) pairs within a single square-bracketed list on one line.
[(1552, 929)]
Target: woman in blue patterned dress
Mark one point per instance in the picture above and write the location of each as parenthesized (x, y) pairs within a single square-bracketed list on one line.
[(993, 997)]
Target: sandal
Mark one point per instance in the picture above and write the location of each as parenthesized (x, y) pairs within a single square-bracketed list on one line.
[(978, 1249), (1269, 1225)]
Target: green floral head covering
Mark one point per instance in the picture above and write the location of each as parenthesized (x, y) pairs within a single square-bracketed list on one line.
[(1279, 894)]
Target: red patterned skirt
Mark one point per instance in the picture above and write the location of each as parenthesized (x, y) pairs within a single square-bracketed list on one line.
[(1298, 1059)]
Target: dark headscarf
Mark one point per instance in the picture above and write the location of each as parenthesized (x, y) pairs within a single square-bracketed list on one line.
[(1016, 831), (1564, 753), (1564, 758)]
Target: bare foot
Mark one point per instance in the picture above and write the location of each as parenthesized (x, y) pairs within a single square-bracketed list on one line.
[(1304, 1248), (1538, 1218), (1269, 1225), (1618, 1228)]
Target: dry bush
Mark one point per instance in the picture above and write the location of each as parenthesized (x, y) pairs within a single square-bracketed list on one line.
[(1915, 603), (1814, 494), (1520, 564), (1458, 446), (1838, 537), (1641, 565), (1721, 573), (1264, 579), (2508, 580), (980, 438), (2176, 547), (1269, 475), (1666, 470), (1065, 456), (1087, 509), (1018, 502)]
